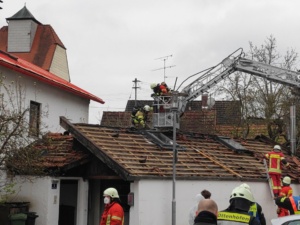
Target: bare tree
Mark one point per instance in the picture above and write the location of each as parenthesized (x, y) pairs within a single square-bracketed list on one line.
[(259, 97), (15, 138)]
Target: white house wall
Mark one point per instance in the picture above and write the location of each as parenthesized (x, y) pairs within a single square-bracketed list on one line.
[(45, 201), (55, 102), (153, 199)]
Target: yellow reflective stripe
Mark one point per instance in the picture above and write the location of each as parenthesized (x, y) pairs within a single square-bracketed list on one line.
[(234, 217), (253, 209), (282, 199), (116, 218), (108, 220), (275, 156)]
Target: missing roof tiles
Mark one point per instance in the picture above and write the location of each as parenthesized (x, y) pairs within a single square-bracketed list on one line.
[(161, 140)]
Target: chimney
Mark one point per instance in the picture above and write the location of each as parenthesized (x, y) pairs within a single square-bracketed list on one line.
[(204, 101)]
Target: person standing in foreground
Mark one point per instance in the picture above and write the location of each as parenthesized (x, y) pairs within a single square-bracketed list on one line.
[(286, 191), (205, 194), (241, 199), (113, 213), (255, 209), (207, 212), (276, 159)]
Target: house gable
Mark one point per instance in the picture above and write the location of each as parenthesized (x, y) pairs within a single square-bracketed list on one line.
[(27, 38)]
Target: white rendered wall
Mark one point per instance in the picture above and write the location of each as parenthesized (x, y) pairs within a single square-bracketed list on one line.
[(55, 102), (153, 199), (45, 201)]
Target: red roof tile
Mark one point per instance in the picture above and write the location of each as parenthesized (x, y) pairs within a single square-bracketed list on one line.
[(56, 151), (132, 155)]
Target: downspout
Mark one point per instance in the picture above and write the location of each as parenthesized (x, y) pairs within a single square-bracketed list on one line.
[(293, 129)]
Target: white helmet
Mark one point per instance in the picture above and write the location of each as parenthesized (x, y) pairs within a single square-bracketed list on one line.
[(286, 180), (153, 85), (112, 192), (245, 186), (277, 147), (242, 192), (147, 108)]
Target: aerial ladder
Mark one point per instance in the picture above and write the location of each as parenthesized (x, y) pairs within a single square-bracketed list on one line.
[(165, 105)]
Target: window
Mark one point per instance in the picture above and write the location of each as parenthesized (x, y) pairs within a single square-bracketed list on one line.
[(34, 118)]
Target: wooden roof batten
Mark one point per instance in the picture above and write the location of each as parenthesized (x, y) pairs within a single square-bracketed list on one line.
[(217, 162), (91, 146)]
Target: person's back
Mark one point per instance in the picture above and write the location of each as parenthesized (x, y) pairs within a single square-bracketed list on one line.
[(286, 191), (237, 213)]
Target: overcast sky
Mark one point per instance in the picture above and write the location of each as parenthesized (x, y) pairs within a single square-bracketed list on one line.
[(111, 42)]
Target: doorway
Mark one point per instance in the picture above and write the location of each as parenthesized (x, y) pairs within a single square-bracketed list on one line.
[(68, 202)]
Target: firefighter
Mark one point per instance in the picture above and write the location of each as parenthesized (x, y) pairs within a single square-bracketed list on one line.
[(256, 209), (113, 213), (291, 203), (164, 89), (286, 191), (276, 159), (156, 89), (139, 116), (241, 199)]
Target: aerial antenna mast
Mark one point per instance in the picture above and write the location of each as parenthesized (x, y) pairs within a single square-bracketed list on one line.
[(135, 81), (164, 58)]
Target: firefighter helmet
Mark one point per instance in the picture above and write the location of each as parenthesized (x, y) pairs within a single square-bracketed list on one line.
[(153, 85), (147, 108), (245, 186), (286, 180), (112, 192), (277, 147), (242, 192)]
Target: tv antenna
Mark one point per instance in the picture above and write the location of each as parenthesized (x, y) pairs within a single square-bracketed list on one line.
[(164, 58)]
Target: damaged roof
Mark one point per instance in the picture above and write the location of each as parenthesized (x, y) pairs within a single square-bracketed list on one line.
[(133, 155), (55, 151)]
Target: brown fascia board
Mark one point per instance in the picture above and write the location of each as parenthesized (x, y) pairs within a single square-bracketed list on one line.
[(95, 150)]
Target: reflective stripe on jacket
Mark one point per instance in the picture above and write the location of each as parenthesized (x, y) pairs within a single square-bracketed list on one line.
[(295, 202), (275, 159), (286, 191), (113, 214), (253, 211), (227, 218)]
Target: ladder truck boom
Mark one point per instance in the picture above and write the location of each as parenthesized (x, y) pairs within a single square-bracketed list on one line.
[(212, 76)]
